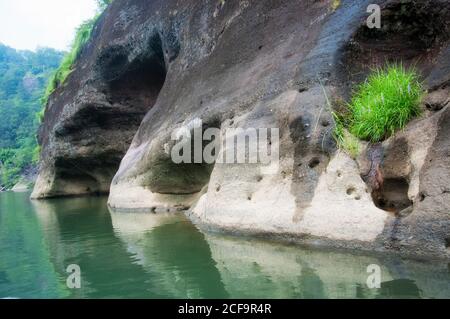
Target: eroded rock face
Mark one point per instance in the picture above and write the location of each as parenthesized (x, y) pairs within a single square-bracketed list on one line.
[(153, 67)]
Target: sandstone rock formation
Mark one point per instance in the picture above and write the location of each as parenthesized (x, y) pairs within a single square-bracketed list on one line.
[(153, 67)]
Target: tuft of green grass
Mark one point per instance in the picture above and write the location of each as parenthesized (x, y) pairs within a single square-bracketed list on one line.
[(384, 103), (344, 139)]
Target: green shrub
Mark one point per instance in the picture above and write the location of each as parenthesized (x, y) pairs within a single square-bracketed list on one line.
[(58, 78), (384, 103)]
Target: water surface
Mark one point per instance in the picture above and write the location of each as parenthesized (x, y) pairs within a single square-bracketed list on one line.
[(135, 255)]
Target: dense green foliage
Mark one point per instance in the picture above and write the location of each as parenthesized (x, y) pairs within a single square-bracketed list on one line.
[(26, 81), (384, 103), (23, 76)]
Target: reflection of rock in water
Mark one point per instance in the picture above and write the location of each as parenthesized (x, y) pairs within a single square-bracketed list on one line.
[(154, 255), (252, 268), (431, 279), (256, 269), (171, 247), (404, 288), (132, 227), (78, 231)]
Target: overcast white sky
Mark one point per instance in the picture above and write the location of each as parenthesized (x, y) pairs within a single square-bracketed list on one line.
[(27, 24)]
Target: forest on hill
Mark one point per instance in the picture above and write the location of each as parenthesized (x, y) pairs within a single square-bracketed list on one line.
[(23, 78)]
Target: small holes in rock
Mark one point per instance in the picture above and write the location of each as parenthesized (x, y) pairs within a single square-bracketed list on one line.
[(249, 197), (260, 47), (325, 123), (339, 174), (447, 243), (350, 190), (422, 197), (217, 188), (314, 162), (302, 89), (259, 178), (358, 197)]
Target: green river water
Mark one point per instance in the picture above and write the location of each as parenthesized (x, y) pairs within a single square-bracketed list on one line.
[(136, 255)]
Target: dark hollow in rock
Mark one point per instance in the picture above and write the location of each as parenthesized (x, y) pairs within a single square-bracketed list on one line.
[(102, 131), (350, 190), (437, 100), (422, 197), (412, 33), (393, 195), (168, 177), (314, 162)]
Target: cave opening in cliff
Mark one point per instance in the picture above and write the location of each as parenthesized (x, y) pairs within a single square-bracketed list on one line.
[(102, 130), (392, 195), (139, 87)]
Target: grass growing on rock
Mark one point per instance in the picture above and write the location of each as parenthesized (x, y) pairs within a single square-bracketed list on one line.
[(384, 103), (344, 139), (82, 36)]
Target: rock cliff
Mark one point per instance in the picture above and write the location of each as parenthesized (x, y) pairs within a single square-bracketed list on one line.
[(153, 67)]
